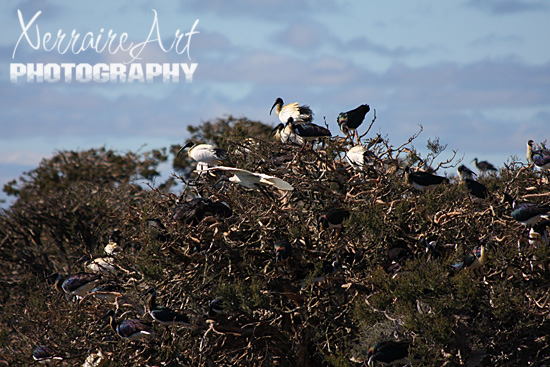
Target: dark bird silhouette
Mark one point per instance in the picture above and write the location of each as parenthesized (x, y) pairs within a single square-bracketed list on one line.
[(476, 190), (388, 352), (165, 315), (283, 251), (528, 214), (422, 180), (351, 120), (309, 131), (465, 173), (76, 285), (484, 166), (298, 113), (44, 354), (132, 329), (334, 219), (194, 211), (473, 261)]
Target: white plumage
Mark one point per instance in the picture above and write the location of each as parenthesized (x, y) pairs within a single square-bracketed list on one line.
[(253, 180), (292, 110), (358, 156), (286, 135), (205, 153)]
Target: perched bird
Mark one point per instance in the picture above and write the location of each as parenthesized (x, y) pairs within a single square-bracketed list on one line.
[(334, 219), (358, 156), (351, 120), (484, 166), (205, 154), (473, 261), (132, 329), (77, 285), (528, 214), (540, 157), (253, 180), (476, 190), (44, 354), (292, 110), (538, 234), (423, 181), (165, 315), (465, 173), (103, 265), (283, 251), (388, 352), (194, 211), (308, 132), (285, 134), (215, 307), (112, 249)]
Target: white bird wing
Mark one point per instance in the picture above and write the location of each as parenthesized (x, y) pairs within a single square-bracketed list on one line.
[(245, 175), (275, 181)]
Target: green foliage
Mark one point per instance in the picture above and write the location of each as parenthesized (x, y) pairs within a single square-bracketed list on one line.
[(73, 204)]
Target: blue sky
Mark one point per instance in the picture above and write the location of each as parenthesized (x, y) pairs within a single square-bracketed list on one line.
[(475, 73)]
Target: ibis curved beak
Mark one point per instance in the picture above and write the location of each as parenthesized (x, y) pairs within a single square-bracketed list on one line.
[(272, 107), (276, 129), (188, 145)]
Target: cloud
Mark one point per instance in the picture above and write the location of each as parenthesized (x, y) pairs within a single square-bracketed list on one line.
[(303, 37), (501, 7)]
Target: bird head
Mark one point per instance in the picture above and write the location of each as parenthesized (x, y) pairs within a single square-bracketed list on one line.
[(278, 102), (277, 130), (188, 145)]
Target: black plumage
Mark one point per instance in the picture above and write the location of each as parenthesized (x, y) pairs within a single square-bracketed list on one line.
[(165, 315), (465, 173), (388, 352), (422, 180), (484, 166), (283, 251), (132, 329), (476, 189), (44, 354), (194, 211), (351, 120), (333, 219)]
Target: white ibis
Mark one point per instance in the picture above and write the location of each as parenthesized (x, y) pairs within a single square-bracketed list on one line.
[(351, 120), (484, 166), (358, 156), (132, 329), (388, 352), (292, 110), (204, 154), (422, 180), (285, 134), (254, 180), (165, 315)]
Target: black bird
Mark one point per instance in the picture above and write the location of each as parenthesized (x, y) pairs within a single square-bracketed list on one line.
[(476, 190), (334, 219), (215, 307), (388, 352), (540, 157), (77, 285), (309, 131), (132, 329), (44, 354), (194, 211), (528, 214), (484, 166), (298, 113), (538, 234), (465, 173), (423, 181), (351, 120), (283, 251), (165, 315)]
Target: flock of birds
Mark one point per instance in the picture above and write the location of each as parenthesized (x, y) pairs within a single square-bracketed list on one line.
[(297, 128)]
